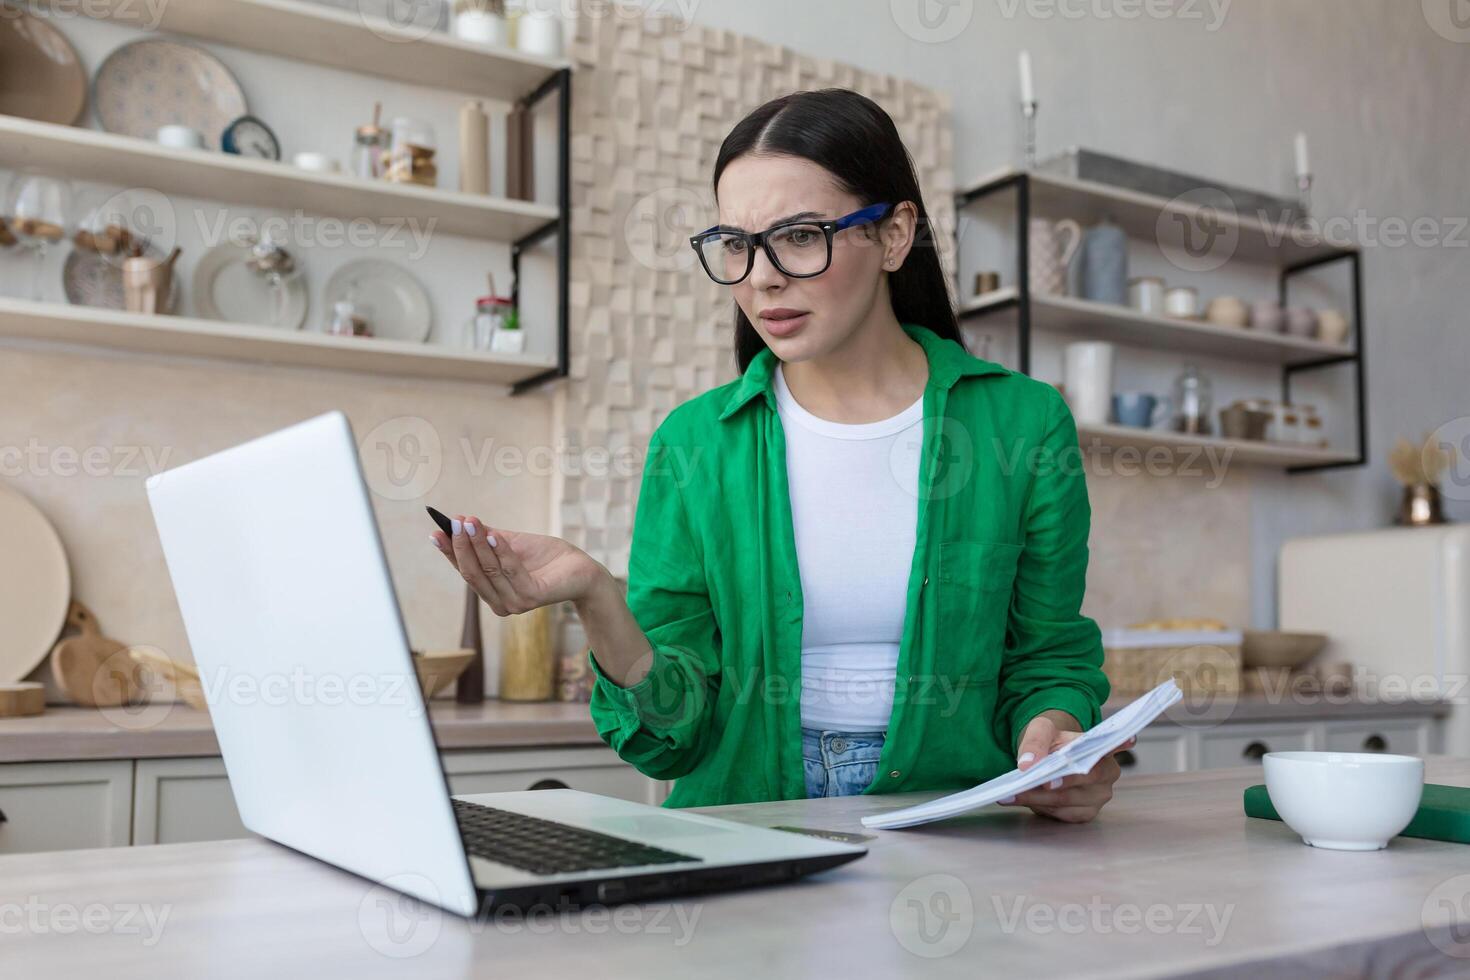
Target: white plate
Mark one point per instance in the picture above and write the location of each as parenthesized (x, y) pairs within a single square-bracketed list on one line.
[(387, 296), (35, 586), (152, 83), (225, 288)]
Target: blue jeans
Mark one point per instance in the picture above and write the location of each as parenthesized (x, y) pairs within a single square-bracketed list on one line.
[(839, 763)]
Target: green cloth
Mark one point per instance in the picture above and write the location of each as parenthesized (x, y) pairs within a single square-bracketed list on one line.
[(993, 633), (1443, 814)]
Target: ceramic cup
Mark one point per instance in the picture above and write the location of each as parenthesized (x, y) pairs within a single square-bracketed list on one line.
[(315, 162), (1332, 327), (1146, 295), (1089, 381), (1136, 409), (480, 27), (180, 137), (1267, 317), (1344, 801), (539, 32), (1227, 311), (1182, 302)]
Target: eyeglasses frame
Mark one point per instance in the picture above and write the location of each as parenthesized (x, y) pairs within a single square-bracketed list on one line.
[(871, 214)]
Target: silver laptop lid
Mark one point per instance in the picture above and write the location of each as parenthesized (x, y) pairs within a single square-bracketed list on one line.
[(291, 615)]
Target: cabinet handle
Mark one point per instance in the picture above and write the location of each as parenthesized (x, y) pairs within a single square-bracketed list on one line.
[(1375, 743), (548, 784), (1126, 759), (1255, 750)]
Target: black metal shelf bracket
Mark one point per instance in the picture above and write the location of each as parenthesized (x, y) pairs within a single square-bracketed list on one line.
[(1021, 183), (1360, 381), (560, 227)]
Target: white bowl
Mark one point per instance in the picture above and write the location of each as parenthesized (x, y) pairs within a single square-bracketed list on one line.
[(1344, 801)]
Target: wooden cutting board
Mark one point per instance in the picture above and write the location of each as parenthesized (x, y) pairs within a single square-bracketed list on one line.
[(91, 669), (35, 586)]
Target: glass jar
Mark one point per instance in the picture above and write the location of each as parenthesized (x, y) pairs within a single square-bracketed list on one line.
[(491, 314), (1311, 430), (1192, 402), (369, 146), (411, 156)]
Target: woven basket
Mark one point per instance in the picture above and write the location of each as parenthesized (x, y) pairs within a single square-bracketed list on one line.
[(1136, 661)]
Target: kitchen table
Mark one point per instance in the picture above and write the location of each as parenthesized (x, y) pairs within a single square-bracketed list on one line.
[(1172, 880)]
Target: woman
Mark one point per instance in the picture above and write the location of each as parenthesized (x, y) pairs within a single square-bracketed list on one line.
[(858, 567)]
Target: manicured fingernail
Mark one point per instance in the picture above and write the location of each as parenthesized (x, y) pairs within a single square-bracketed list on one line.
[(1055, 783), (455, 525), (469, 528), (435, 542), (1008, 799), (491, 539), (1025, 758)]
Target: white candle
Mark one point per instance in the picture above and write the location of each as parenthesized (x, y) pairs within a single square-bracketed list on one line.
[(1302, 167), (1028, 90)]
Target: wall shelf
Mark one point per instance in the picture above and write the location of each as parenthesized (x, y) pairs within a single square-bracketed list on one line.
[(86, 154), (334, 39), (1244, 451), (350, 41), (1141, 216), (1088, 202), (57, 323), (1105, 321)]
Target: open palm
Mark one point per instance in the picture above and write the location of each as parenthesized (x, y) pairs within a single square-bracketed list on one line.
[(516, 571)]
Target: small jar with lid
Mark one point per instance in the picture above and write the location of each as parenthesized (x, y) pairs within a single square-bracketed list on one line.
[(411, 157), (483, 332), (1311, 430), (369, 148)]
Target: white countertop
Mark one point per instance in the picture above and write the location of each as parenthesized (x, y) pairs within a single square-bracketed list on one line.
[(1171, 880)]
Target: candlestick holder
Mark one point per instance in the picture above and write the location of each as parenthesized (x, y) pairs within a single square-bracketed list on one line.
[(1028, 127), (1303, 196)]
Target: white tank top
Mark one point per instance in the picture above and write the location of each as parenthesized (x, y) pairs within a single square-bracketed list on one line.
[(854, 507)]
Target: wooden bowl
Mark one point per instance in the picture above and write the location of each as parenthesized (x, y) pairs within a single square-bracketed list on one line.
[(22, 699), (437, 669), (1272, 648)]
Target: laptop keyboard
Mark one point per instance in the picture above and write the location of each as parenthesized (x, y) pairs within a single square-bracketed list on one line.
[(545, 847)]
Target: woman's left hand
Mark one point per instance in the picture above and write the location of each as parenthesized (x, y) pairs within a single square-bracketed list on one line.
[(1071, 799)]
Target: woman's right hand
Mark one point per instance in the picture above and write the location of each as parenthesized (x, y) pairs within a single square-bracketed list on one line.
[(515, 571)]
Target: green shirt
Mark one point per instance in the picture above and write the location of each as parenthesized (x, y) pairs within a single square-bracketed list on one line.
[(993, 633)]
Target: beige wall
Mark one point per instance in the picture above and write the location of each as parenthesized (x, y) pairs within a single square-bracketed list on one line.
[(131, 415)]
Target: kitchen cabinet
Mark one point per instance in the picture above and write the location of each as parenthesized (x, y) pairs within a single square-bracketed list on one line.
[(1167, 748), (57, 806), (52, 806), (180, 800)]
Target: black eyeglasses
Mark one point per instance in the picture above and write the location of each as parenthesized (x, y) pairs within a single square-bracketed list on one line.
[(799, 249)]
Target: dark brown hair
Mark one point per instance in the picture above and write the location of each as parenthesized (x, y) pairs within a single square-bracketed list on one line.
[(851, 137)]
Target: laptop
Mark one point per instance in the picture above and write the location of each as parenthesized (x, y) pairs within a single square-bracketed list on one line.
[(290, 611)]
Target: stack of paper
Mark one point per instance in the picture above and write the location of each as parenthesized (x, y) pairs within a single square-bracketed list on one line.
[(1076, 757)]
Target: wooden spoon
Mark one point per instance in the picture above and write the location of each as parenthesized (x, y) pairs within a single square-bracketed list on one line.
[(92, 669)]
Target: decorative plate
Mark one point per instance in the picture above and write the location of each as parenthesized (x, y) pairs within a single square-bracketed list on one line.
[(388, 296), (41, 76), (35, 586), (151, 83), (226, 288)]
